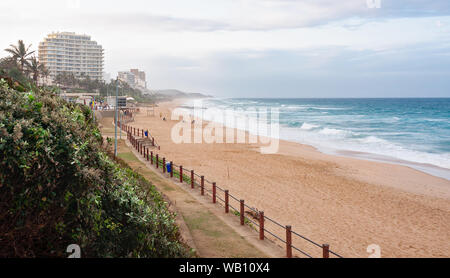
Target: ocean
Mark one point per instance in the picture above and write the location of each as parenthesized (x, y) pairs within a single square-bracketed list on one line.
[(410, 131)]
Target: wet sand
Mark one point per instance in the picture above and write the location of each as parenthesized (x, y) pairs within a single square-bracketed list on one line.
[(346, 202)]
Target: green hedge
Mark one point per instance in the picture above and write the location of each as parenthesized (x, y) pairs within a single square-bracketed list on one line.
[(58, 186)]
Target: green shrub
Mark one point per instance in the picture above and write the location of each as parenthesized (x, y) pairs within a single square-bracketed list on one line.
[(58, 186)]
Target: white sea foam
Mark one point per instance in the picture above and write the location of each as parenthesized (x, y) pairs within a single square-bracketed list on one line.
[(327, 108), (307, 126), (331, 131), (372, 139)]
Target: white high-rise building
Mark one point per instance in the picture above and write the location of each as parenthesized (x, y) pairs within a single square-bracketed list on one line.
[(67, 52), (135, 78)]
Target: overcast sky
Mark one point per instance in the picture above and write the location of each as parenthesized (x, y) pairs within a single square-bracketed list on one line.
[(257, 48)]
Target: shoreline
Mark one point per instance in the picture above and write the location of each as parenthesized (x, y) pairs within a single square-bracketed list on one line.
[(430, 169), (426, 168), (347, 202)]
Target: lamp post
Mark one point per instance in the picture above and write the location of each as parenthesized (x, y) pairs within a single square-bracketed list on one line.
[(121, 119), (115, 116)]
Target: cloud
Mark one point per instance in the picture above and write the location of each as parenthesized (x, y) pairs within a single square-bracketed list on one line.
[(248, 15), (419, 70)]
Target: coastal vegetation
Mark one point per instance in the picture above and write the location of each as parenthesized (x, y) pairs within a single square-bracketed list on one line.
[(60, 185)]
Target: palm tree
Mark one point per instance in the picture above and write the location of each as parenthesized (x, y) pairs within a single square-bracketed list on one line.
[(35, 68), (45, 73), (20, 53)]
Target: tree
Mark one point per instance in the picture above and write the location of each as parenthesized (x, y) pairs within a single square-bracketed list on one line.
[(35, 68), (10, 68), (20, 53), (45, 73)]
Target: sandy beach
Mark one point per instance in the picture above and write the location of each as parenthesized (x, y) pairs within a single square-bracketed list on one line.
[(346, 202)]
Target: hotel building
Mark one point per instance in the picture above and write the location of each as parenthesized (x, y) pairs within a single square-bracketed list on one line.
[(71, 53)]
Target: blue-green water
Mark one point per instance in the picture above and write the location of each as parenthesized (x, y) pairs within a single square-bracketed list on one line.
[(409, 131)]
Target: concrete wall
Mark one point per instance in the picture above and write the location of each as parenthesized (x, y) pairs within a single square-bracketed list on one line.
[(99, 115)]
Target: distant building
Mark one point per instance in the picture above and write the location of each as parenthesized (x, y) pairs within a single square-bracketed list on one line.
[(127, 77), (139, 78), (134, 78), (67, 52)]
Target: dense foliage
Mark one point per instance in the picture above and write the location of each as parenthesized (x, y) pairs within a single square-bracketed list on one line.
[(85, 83), (58, 186)]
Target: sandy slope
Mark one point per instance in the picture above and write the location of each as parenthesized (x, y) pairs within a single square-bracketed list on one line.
[(348, 203)]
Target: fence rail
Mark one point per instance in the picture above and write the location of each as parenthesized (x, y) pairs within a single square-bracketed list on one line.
[(187, 176)]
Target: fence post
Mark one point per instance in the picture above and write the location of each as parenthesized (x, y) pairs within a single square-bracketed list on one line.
[(164, 164), (157, 161), (289, 241), (171, 169), (261, 225), (151, 157), (214, 193), (192, 179), (203, 184), (227, 209), (326, 251), (147, 154), (181, 174), (134, 131), (242, 213)]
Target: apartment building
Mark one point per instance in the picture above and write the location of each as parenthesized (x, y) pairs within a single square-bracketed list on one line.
[(71, 53), (127, 77), (134, 78)]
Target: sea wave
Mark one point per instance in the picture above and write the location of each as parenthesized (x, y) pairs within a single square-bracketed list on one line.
[(332, 131), (306, 126)]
